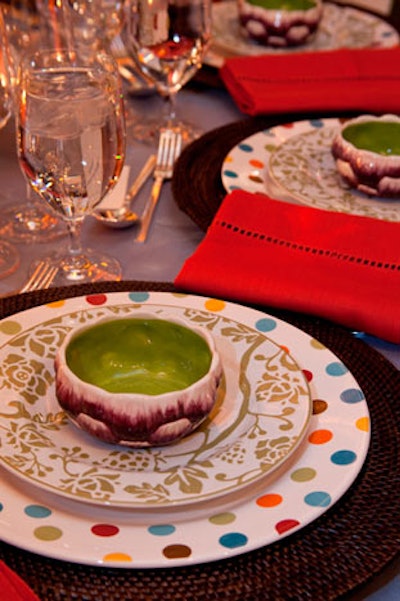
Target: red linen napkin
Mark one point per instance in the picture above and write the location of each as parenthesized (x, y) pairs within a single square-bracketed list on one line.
[(12, 587), (346, 79), (263, 251)]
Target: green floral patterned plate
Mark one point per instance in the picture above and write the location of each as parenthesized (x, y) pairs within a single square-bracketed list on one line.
[(259, 420)]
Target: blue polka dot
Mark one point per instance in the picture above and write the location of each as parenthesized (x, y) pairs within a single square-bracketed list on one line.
[(232, 174), (233, 540), (139, 297), (336, 369), (162, 529), (352, 396), (344, 457), (37, 511), (235, 188), (1, 506), (318, 499), (266, 324), (316, 123), (246, 147)]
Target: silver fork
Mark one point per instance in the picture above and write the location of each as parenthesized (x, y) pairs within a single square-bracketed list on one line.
[(169, 149), (42, 277)]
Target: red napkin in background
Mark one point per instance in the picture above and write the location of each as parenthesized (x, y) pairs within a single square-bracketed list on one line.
[(346, 79), (263, 251), (12, 587)]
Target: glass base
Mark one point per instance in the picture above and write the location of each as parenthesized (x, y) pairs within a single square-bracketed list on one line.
[(145, 131), (189, 132), (90, 266), (9, 259), (30, 222)]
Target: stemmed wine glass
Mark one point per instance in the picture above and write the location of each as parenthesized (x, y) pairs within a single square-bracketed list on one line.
[(167, 40), (71, 146), (9, 258), (23, 32), (94, 23)]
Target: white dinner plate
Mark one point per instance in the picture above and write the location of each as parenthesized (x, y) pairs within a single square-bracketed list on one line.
[(296, 159), (260, 417), (318, 473), (340, 27)]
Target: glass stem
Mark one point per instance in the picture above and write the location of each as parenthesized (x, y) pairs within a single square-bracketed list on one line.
[(171, 110), (74, 232)]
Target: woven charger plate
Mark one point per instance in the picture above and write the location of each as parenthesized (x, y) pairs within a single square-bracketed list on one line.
[(328, 559), (196, 184)]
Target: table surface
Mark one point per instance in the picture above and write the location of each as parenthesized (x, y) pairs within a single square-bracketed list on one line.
[(173, 236)]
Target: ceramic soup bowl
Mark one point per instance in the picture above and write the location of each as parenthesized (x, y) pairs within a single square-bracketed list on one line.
[(138, 381), (367, 154), (280, 23)]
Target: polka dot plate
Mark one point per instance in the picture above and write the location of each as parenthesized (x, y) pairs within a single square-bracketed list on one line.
[(294, 162), (320, 469), (340, 27)]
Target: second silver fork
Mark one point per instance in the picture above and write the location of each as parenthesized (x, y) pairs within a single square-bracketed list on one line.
[(169, 149)]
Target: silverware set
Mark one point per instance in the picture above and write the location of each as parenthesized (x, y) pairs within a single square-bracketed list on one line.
[(169, 148)]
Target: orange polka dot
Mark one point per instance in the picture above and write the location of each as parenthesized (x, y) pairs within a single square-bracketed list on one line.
[(320, 436), (270, 500), (56, 304), (256, 163), (228, 159), (213, 304), (113, 557), (363, 424), (284, 348)]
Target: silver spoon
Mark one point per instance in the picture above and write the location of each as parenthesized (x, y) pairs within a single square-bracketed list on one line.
[(122, 216)]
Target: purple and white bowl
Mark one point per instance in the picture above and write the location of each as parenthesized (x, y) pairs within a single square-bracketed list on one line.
[(280, 23), (367, 154), (138, 381)]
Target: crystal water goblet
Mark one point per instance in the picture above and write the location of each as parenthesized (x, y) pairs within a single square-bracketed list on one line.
[(23, 32), (71, 146)]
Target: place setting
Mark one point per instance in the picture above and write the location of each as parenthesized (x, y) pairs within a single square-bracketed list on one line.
[(340, 27), (91, 523), (227, 431)]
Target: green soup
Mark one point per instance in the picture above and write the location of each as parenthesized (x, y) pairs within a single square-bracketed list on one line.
[(381, 137), (284, 4), (149, 356)]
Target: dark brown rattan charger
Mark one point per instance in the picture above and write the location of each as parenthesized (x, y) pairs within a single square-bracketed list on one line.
[(196, 183), (329, 559)]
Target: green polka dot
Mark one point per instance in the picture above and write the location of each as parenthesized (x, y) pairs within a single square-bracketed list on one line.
[(303, 474), (48, 533), (10, 327), (220, 519)]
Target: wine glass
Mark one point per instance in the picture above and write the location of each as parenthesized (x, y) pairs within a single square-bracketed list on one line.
[(28, 220), (94, 23), (167, 40), (71, 146), (9, 258)]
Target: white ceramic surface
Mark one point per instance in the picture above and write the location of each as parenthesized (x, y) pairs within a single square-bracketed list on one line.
[(318, 473), (340, 27), (294, 162)]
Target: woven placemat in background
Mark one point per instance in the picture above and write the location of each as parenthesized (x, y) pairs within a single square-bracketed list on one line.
[(342, 550), (196, 184)]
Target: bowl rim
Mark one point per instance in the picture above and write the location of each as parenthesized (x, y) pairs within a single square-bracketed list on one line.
[(215, 367)]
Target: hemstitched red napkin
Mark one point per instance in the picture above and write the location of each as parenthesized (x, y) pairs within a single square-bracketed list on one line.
[(12, 587), (341, 267), (345, 79)]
